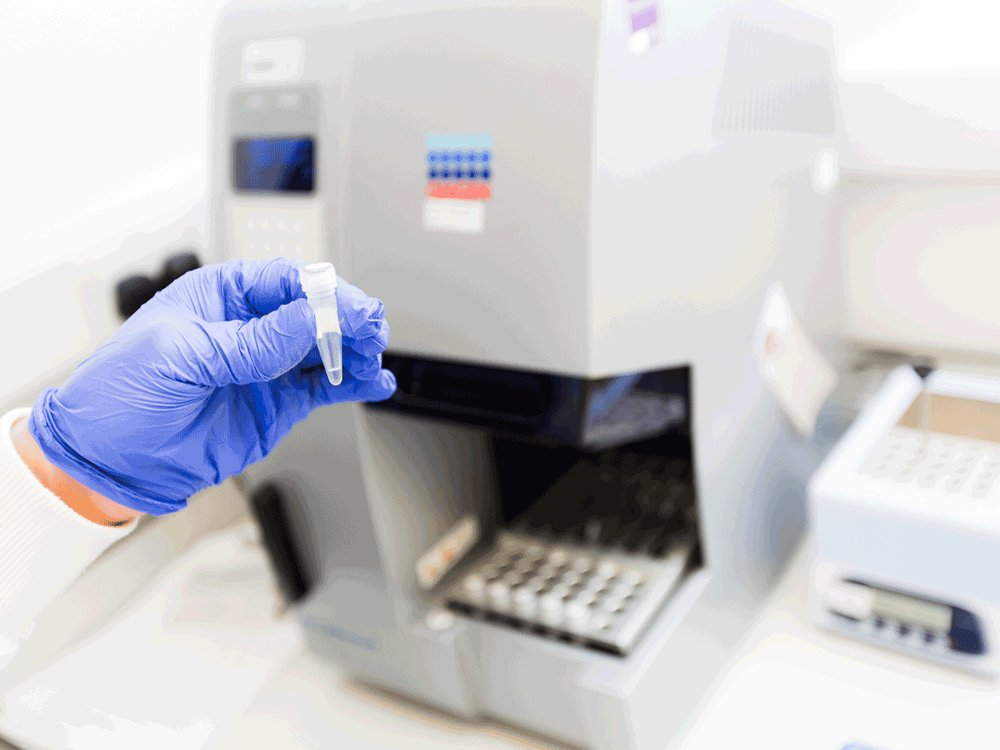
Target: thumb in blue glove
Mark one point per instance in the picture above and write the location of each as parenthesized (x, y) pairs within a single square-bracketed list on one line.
[(204, 380)]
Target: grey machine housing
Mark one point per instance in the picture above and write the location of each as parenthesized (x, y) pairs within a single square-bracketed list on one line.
[(644, 194)]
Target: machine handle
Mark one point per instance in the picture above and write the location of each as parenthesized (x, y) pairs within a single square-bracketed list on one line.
[(267, 504)]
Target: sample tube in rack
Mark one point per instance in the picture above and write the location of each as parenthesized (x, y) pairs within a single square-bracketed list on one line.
[(319, 282)]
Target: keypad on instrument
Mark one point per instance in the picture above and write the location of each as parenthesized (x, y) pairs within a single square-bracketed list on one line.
[(286, 229)]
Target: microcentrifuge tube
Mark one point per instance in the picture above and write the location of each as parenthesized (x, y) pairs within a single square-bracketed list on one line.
[(319, 282)]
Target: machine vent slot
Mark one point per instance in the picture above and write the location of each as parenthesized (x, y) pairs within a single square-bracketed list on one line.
[(775, 84)]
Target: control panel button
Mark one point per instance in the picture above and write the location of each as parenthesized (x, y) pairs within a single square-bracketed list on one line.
[(291, 101), (849, 600)]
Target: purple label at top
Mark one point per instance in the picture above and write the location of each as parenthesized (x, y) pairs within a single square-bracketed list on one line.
[(644, 18)]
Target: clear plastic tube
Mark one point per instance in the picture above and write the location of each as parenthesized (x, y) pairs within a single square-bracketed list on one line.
[(329, 345), (319, 282)]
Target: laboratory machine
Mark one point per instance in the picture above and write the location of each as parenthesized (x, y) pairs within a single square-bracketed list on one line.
[(577, 214), (907, 529)]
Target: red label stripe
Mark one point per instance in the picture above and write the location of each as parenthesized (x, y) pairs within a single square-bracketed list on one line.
[(464, 190)]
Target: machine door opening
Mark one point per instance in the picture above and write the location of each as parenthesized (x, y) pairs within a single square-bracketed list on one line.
[(597, 514)]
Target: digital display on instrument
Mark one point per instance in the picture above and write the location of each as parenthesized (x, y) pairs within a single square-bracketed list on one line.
[(274, 165), (912, 611)]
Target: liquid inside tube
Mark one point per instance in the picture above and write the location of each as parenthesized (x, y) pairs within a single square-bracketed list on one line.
[(329, 345)]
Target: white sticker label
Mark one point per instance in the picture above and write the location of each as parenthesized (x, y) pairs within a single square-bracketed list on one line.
[(791, 364), (443, 556), (447, 215), (643, 25), (459, 182)]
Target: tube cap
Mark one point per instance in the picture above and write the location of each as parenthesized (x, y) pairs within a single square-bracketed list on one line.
[(318, 278)]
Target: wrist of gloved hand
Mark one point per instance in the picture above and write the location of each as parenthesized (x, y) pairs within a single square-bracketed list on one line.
[(45, 427), (86, 502)]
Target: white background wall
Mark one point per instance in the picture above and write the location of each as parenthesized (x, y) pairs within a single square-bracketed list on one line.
[(920, 81), (912, 35), (103, 131), (920, 224), (104, 125)]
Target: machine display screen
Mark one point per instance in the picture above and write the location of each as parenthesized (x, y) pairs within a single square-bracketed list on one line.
[(911, 611), (274, 165)]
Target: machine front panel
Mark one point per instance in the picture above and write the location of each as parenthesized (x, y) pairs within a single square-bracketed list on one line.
[(273, 176), (469, 180)]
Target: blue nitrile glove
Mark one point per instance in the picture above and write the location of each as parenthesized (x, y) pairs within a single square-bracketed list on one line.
[(203, 381)]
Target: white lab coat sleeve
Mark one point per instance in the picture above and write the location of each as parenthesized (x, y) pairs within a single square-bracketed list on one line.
[(44, 544)]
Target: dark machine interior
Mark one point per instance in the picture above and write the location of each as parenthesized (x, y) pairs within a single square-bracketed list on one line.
[(638, 500), (600, 463), (587, 470)]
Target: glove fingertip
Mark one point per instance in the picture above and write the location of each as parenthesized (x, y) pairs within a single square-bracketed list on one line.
[(383, 386), (361, 316), (380, 388), (372, 345), (366, 368)]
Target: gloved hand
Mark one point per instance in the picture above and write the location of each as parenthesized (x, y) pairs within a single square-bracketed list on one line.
[(203, 381)]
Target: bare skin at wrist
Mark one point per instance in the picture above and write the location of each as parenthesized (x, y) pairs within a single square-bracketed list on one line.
[(91, 505)]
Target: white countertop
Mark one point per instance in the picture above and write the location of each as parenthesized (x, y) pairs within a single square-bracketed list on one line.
[(200, 660), (789, 686)]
